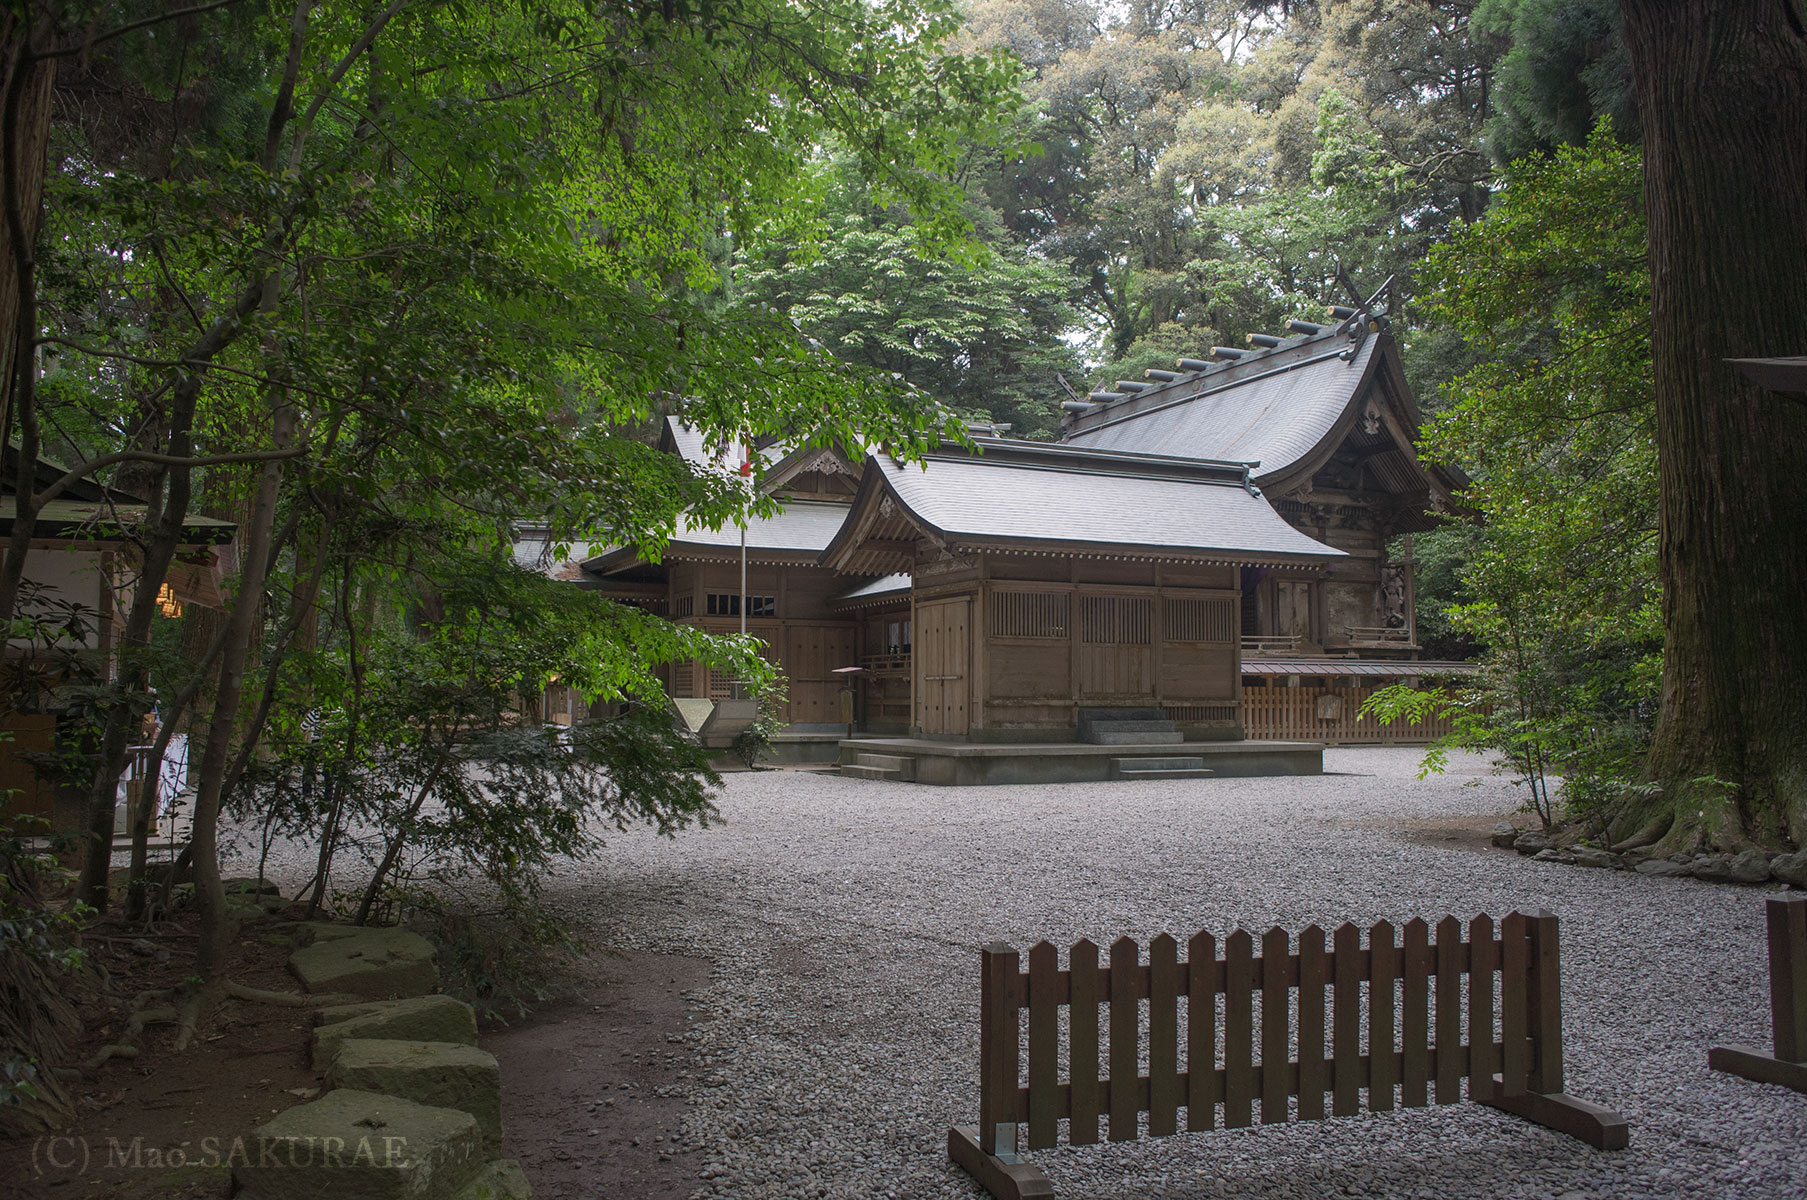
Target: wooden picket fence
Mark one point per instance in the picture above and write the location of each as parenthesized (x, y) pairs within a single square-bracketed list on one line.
[(1787, 1004), (1414, 1052), (1310, 714)]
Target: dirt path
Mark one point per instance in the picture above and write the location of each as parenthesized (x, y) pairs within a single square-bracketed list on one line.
[(593, 1089)]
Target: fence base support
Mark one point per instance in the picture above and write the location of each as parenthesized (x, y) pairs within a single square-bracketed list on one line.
[(1601, 1128), (1005, 1180), (1758, 1065)]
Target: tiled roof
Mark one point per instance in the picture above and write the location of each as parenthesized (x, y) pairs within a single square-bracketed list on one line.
[(1121, 504), (885, 587), (689, 444), (801, 529), (801, 525), (1271, 408)]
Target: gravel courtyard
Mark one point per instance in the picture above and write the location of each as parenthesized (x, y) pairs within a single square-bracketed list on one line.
[(838, 1037)]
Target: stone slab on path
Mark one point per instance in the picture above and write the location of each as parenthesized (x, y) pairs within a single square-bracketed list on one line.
[(502, 1180), (440, 1074), (378, 963), (417, 1019), (356, 1145)]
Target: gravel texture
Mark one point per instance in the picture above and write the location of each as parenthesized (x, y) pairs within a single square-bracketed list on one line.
[(839, 1034)]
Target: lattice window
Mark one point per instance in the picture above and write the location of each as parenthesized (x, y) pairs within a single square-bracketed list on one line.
[(727, 604), (1117, 620), (1029, 614), (683, 606), (683, 679), (1200, 620)]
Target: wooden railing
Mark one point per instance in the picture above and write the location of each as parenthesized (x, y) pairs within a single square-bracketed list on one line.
[(1378, 635), (1787, 1005), (1413, 1055), (1272, 644), (1326, 715)]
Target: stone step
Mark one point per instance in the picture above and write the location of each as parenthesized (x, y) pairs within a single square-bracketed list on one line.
[(856, 771), (1165, 774), (357, 1145), (419, 1019), (1127, 726), (1155, 763), (375, 962), (437, 1074), (902, 764), (1151, 737)]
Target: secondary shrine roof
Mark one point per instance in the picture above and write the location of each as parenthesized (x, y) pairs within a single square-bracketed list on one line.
[(1038, 498), (800, 531), (1272, 407)]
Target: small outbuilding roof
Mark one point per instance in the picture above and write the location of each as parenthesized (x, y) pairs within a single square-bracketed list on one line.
[(798, 533), (1038, 498), (105, 521)]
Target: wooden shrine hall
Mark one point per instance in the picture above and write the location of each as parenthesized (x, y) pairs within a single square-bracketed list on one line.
[(1212, 532)]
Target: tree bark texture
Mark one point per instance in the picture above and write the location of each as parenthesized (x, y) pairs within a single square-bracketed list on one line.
[(27, 142), (1722, 94)]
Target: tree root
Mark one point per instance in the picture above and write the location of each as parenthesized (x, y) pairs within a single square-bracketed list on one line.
[(1650, 834), (191, 1016), (163, 1015), (239, 991), (86, 1070), (108, 1052)]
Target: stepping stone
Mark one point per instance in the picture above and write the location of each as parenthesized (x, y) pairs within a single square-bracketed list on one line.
[(440, 1074), (418, 1019), (498, 1181), (355, 1145), (378, 963)]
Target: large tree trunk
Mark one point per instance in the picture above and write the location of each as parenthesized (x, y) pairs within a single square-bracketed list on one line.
[(26, 84), (1722, 94)]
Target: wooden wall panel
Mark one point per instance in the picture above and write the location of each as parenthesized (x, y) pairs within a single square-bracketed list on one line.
[(1189, 575), (1198, 673), (1123, 573), (1113, 655), (811, 654), (1041, 670), (1050, 570)]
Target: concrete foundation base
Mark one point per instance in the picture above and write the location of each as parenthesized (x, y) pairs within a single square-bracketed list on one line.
[(963, 764)]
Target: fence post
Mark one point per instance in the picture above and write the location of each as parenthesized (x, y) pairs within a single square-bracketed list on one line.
[(1787, 1065), (1788, 976), (1545, 1025), (1530, 1085), (998, 1049)]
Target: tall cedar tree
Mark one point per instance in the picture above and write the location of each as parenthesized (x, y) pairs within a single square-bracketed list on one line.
[(1722, 94)]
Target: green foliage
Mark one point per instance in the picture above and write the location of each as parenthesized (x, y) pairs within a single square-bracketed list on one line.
[(1555, 428), (753, 741), (423, 753), (1565, 68), (452, 257), (982, 336), (1207, 168)]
